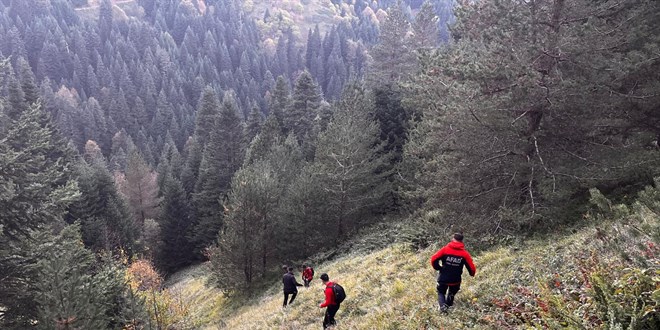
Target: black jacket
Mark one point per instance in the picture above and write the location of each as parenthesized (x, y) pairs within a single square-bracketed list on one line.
[(290, 283)]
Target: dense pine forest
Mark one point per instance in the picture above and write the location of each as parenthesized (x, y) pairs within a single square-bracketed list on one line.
[(139, 137)]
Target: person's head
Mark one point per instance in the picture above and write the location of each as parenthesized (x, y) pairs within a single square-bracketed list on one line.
[(458, 237), (290, 269), (304, 266), (325, 278)]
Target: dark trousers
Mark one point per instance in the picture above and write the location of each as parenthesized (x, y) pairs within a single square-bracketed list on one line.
[(442, 291), (286, 297), (306, 282), (329, 318)]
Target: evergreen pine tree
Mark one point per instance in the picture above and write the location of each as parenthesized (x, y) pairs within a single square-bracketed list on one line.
[(253, 124), (244, 246), (105, 19), (304, 107), (280, 100), (514, 124), (348, 158), (69, 296), (105, 218), (177, 249), (34, 172), (261, 145), (425, 28), (223, 155), (392, 55), (190, 170), (207, 114)]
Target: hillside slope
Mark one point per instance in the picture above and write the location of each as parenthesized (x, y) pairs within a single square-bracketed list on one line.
[(604, 275)]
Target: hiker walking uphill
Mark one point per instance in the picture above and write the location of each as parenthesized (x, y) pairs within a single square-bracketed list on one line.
[(334, 295), (290, 287), (307, 275), (453, 257)]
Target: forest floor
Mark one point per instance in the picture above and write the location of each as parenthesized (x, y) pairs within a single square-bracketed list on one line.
[(605, 274)]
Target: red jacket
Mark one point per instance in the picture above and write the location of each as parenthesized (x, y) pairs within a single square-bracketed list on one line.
[(453, 257), (329, 295), (307, 274)]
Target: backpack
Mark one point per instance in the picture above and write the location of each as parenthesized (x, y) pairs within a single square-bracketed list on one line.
[(339, 293)]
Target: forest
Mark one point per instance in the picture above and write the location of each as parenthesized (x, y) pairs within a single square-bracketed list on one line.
[(140, 137)]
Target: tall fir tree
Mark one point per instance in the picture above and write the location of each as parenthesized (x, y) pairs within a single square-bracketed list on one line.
[(348, 158), (105, 219), (244, 246), (425, 28), (223, 156), (263, 142), (177, 249), (280, 100), (105, 19), (392, 55), (207, 114), (76, 291), (190, 170), (36, 190), (306, 102), (253, 124), (520, 124)]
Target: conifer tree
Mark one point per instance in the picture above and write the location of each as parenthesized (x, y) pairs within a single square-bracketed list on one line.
[(253, 124), (105, 19), (105, 218), (28, 83), (35, 192), (191, 167), (280, 101), (302, 213), (34, 172), (244, 245), (516, 123), (207, 114), (348, 158), (16, 97), (306, 102), (262, 144), (392, 55), (73, 290), (425, 28), (175, 223), (223, 155)]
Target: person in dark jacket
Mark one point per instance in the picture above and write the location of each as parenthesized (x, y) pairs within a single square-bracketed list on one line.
[(290, 287), (453, 257), (330, 304)]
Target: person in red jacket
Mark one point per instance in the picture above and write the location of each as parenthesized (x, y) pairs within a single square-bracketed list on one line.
[(453, 257), (307, 275), (332, 306)]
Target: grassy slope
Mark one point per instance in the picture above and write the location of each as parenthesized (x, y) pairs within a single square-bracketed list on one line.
[(549, 282)]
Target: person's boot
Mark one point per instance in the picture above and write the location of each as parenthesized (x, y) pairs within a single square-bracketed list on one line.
[(444, 308)]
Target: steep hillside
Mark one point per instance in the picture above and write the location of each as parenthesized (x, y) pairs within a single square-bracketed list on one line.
[(299, 15), (602, 276), (122, 9)]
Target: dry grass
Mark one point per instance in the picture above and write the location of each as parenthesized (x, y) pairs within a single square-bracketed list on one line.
[(544, 283), (205, 303)]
